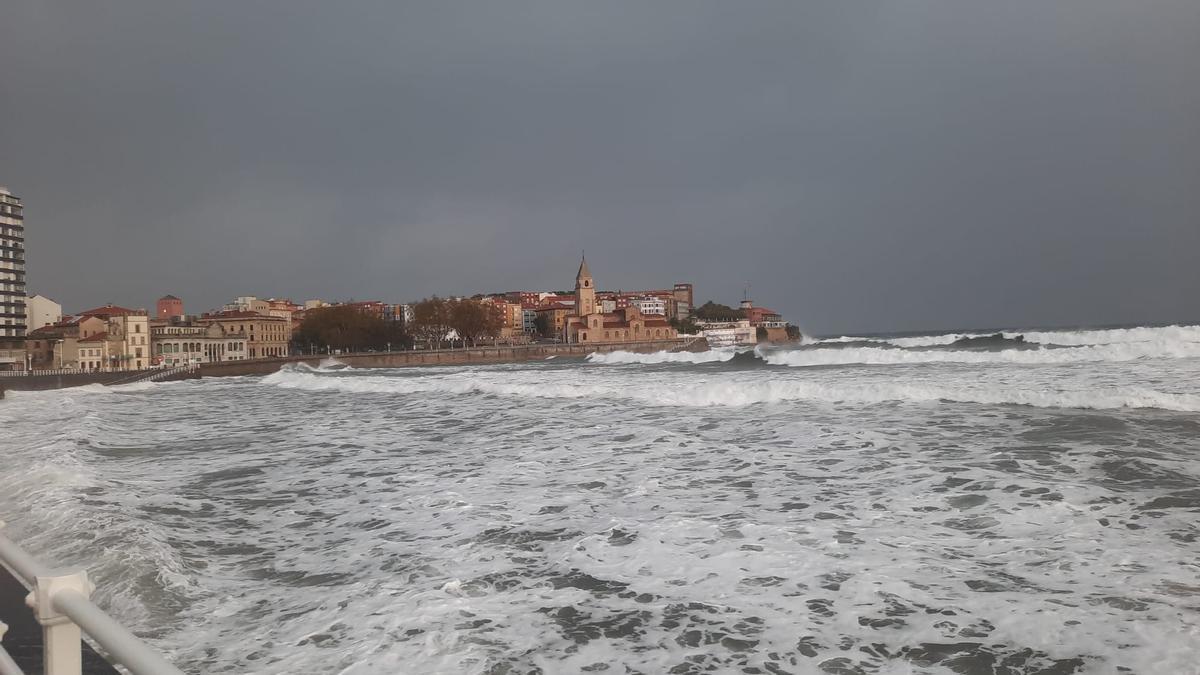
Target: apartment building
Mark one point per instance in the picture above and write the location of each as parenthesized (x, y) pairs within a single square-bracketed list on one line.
[(57, 345), (126, 337), (13, 322), (684, 300)]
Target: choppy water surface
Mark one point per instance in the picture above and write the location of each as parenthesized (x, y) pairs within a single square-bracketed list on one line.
[(920, 505)]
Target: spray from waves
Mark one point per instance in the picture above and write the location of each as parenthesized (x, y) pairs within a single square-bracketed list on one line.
[(624, 357), (744, 393), (331, 364), (1115, 352), (57, 394)]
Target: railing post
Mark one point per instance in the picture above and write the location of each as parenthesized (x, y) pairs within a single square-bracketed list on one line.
[(7, 665), (61, 637)]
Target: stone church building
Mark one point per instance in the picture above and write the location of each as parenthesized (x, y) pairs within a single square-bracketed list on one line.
[(591, 324)]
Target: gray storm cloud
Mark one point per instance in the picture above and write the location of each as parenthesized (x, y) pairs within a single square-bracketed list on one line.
[(864, 166)]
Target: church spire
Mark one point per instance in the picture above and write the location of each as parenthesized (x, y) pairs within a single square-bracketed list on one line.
[(583, 269)]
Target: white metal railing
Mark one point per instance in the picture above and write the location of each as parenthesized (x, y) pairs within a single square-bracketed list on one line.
[(60, 601), (168, 372)]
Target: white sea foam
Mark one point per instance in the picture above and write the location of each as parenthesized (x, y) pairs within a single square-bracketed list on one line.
[(561, 517), (624, 357), (747, 392)]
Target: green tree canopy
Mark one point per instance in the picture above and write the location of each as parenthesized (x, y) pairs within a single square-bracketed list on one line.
[(711, 311)]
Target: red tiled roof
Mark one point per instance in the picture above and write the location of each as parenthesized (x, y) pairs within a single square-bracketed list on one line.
[(111, 310), (47, 331), (98, 337), (239, 314)]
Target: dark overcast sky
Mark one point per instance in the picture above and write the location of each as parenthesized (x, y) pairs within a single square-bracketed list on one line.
[(865, 166)]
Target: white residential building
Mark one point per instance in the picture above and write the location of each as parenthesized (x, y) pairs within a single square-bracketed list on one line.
[(729, 333), (648, 304), (41, 311)]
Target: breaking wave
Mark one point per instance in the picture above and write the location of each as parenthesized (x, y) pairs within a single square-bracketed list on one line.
[(1117, 351), (1046, 337), (743, 393)]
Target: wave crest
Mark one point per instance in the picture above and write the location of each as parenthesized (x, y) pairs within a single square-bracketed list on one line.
[(1069, 338)]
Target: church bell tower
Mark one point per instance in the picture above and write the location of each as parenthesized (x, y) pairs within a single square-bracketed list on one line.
[(585, 290)]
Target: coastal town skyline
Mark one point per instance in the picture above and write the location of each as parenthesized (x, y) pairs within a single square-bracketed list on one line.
[(37, 336)]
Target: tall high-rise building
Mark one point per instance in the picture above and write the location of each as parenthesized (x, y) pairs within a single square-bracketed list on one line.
[(684, 300), (12, 282)]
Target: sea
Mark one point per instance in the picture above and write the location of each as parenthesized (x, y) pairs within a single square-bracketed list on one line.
[(1012, 502)]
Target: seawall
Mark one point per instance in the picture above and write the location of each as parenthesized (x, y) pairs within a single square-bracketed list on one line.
[(448, 357), (61, 381)]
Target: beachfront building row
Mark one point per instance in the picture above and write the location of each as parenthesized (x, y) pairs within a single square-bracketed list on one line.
[(117, 338)]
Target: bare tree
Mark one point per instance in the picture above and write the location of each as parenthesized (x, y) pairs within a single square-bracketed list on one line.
[(431, 320), (475, 319)]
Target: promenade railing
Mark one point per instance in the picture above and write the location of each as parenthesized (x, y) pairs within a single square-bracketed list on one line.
[(156, 374), (51, 371), (61, 602)]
